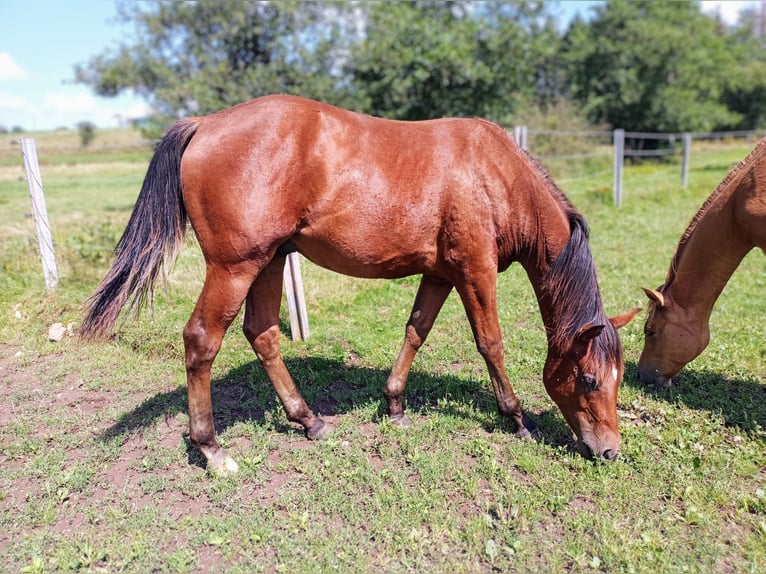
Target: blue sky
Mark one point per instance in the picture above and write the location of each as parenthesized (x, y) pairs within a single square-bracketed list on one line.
[(42, 40)]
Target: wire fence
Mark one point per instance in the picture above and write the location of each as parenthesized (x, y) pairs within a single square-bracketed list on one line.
[(599, 152)]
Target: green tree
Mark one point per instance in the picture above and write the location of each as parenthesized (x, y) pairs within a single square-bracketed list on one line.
[(650, 66), (421, 60), (198, 57), (745, 90), (87, 131)]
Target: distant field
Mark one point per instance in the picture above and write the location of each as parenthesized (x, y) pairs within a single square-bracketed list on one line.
[(98, 473)]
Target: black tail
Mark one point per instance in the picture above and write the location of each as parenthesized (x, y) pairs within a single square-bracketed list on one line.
[(151, 240)]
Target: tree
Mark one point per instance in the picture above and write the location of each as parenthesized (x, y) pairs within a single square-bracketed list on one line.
[(87, 131), (408, 60), (198, 57), (421, 60), (745, 90), (650, 66)]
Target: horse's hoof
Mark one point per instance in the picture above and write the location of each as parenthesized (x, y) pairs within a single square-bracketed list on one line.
[(401, 421), (319, 431), (528, 429), (226, 467), (523, 433)]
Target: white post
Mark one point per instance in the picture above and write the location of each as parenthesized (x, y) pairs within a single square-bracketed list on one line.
[(40, 212), (520, 135), (619, 159), (296, 302), (687, 139)]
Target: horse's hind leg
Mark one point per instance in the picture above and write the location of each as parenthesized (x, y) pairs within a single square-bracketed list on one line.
[(431, 296), (261, 327), (218, 304)]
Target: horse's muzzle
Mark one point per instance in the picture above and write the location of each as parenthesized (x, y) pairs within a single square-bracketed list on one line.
[(650, 376), (598, 451)]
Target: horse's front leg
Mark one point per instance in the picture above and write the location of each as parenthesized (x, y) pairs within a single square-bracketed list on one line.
[(218, 304), (261, 327), (431, 296), (479, 298)]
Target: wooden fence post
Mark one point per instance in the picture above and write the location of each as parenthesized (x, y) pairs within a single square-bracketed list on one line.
[(296, 302), (39, 211), (687, 139), (520, 135), (619, 159)]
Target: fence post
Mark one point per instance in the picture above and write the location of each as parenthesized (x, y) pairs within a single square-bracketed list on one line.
[(619, 159), (520, 135), (39, 211), (687, 139), (296, 302)]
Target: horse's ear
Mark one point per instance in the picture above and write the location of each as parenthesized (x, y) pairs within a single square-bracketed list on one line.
[(588, 331), (655, 296), (583, 338), (623, 319)]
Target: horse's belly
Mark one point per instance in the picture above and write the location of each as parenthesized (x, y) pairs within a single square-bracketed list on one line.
[(368, 259)]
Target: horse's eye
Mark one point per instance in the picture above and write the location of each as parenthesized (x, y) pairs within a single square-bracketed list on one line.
[(649, 332), (590, 382)]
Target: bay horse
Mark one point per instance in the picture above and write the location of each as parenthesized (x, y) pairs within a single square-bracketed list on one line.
[(730, 223), (454, 200)]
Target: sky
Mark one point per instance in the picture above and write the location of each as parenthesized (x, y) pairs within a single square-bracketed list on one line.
[(42, 40)]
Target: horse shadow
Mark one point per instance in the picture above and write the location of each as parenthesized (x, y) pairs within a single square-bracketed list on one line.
[(332, 387), (741, 402)]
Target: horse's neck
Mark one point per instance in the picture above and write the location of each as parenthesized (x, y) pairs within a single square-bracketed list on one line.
[(712, 253), (547, 234), (550, 228)]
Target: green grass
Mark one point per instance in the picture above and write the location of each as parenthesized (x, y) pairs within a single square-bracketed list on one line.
[(98, 473)]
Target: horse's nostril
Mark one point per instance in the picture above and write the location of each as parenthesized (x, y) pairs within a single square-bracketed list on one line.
[(609, 454)]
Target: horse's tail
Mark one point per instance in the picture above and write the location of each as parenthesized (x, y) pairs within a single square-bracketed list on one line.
[(151, 240)]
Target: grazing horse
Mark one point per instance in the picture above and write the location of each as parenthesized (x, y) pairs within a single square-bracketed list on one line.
[(730, 223), (454, 200)]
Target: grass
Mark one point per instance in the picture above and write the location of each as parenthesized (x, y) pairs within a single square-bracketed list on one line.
[(98, 473)]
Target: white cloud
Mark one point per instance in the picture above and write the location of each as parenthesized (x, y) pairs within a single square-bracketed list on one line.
[(9, 69), (13, 102), (67, 107), (69, 103)]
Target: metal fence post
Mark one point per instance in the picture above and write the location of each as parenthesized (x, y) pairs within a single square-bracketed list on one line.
[(619, 159), (39, 211)]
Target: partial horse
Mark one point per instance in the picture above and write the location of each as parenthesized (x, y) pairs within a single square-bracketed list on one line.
[(454, 200), (730, 223)]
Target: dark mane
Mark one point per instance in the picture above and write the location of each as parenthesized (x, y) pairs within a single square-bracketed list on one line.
[(571, 285), (758, 150), (549, 183)]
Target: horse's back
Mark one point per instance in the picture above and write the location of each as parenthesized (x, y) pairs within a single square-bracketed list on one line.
[(362, 195)]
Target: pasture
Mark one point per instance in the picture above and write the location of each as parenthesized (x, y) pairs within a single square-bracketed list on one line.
[(98, 473)]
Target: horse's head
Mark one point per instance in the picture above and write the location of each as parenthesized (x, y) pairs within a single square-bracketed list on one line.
[(583, 381), (671, 339)]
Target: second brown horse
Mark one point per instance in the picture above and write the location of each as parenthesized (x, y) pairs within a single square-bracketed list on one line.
[(730, 223), (454, 200)]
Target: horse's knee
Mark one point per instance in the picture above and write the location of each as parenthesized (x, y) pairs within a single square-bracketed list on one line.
[(200, 347), (264, 343), (491, 349)]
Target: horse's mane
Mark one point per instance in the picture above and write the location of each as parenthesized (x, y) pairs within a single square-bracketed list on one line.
[(733, 174), (571, 285), (549, 183)]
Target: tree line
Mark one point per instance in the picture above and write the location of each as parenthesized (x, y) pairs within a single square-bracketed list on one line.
[(642, 65)]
